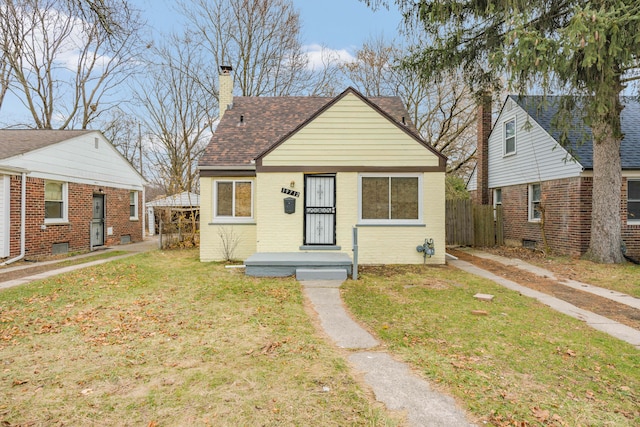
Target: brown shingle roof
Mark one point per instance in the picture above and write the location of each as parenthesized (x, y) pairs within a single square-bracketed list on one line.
[(14, 142), (266, 120)]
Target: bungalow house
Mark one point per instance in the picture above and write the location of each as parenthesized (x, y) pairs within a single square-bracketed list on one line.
[(522, 166), (297, 175), (65, 190)]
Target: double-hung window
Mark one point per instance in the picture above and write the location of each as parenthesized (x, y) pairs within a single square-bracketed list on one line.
[(55, 201), (133, 205), (390, 199), (633, 201), (535, 214), (497, 201), (233, 200), (510, 137)]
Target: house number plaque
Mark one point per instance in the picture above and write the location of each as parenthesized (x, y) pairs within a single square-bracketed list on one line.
[(290, 192)]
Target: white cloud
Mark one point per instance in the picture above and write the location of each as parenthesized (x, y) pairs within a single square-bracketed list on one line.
[(319, 55)]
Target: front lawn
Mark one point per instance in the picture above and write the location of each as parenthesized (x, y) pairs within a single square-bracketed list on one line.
[(160, 339), (512, 361)]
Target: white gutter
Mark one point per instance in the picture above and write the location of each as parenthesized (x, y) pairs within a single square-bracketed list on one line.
[(23, 214)]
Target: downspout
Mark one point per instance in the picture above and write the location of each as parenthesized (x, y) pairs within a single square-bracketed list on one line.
[(23, 214)]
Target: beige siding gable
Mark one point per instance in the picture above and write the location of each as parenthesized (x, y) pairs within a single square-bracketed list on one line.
[(351, 133)]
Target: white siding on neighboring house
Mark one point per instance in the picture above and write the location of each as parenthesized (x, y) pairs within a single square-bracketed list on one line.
[(537, 157), (5, 220), (86, 159)]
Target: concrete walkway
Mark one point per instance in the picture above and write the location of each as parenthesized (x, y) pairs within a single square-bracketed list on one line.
[(392, 382), (601, 323), (150, 243)]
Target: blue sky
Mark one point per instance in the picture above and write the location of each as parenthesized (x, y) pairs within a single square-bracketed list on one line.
[(341, 25)]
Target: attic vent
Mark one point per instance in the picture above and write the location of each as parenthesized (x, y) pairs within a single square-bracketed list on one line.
[(241, 119), (403, 121), (95, 142)]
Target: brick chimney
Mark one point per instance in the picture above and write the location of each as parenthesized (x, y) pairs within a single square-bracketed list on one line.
[(225, 94), (482, 149)]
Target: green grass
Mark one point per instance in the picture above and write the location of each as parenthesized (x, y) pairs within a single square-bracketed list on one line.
[(162, 339), (623, 278), (521, 364)]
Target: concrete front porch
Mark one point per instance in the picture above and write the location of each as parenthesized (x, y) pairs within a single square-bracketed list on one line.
[(305, 265)]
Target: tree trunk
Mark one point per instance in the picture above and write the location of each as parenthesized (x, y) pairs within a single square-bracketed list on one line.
[(606, 239)]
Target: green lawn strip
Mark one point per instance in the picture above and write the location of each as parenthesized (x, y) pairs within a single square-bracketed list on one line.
[(162, 338), (623, 278), (520, 364)]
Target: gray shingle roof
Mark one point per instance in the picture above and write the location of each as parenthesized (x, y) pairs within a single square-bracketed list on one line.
[(579, 135), (14, 142), (266, 120)]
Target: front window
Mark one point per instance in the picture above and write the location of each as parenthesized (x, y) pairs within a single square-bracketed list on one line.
[(233, 200), (535, 214), (510, 137), (55, 201), (133, 205), (633, 201), (390, 199)]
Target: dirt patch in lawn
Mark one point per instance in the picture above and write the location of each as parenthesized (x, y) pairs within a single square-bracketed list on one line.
[(585, 300)]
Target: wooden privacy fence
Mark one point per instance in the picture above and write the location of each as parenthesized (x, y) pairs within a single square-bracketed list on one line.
[(469, 224)]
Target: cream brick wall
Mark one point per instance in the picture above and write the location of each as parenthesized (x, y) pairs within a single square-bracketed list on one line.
[(280, 232), (397, 244), (210, 233)]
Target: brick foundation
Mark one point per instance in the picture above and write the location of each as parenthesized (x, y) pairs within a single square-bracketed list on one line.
[(40, 237)]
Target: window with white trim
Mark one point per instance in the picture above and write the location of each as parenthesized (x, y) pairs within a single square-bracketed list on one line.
[(390, 199), (510, 137), (133, 205), (55, 201), (535, 214), (497, 200), (633, 201), (233, 200)]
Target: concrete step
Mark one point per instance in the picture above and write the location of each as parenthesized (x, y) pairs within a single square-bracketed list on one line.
[(321, 274)]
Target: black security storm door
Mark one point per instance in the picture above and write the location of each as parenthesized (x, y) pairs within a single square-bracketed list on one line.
[(320, 210)]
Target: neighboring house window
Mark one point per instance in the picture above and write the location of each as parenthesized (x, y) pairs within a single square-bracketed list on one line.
[(534, 202), (390, 199), (133, 205), (497, 200), (55, 201), (510, 137), (233, 200), (633, 201)]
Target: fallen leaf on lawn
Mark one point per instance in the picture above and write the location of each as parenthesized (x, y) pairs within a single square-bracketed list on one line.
[(86, 391), (541, 414), (590, 395), (19, 382)]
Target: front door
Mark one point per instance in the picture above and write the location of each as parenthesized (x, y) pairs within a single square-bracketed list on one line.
[(320, 210), (97, 222)]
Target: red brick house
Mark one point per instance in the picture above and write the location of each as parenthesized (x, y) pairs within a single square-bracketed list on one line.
[(522, 167), (65, 190)]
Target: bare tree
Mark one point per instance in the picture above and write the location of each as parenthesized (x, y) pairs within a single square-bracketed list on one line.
[(64, 62), (179, 112), (124, 132), (260, 39), (443, 111)]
